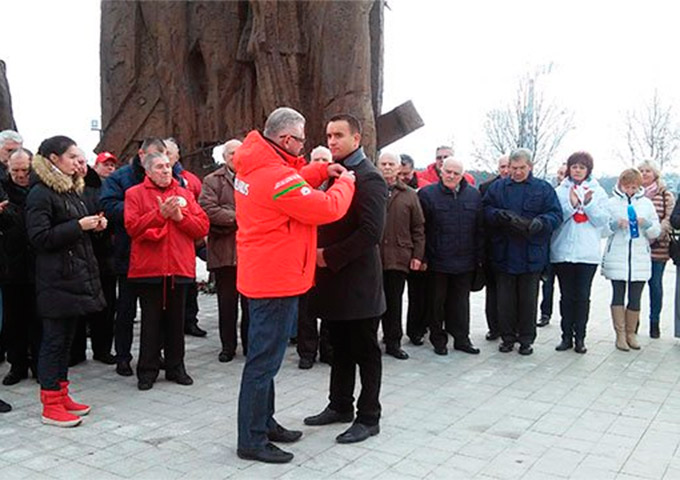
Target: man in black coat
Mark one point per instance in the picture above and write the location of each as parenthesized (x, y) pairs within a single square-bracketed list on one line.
[(349, 294)]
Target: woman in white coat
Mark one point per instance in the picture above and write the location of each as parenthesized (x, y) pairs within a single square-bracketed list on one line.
[(575, 246), (627, 258)]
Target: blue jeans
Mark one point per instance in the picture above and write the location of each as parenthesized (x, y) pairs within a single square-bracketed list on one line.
[(271, 322), (656, 291)]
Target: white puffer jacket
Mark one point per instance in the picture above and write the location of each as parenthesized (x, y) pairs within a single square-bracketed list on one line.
[(576, 242), (626, 258)]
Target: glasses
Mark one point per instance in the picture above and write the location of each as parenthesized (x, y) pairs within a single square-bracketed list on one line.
[(302, 141), (442, 157)]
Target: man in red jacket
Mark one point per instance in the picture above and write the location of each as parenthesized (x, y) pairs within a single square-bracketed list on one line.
[(432, 173), (277, 211)]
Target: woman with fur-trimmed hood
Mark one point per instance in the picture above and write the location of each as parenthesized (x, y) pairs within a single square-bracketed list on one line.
[(67, 277)]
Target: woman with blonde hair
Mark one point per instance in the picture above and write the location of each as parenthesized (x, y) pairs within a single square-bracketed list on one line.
[(663, 201)]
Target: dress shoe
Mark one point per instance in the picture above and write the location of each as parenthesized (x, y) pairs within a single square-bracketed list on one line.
[(397, 353), (506, 347), (124, 369), (467, 348), (283, 435), (564, 345), (179, 376), (194, 330), (305, 363), (526, 350), (106, 358), (491, 336), (269, 454), (144, 384), (14, 376), (329, 416), (5, 407), (580, 347), (654, 330), (417, 341), (441, 350), (225, 357), (543, 321), (358, 432)]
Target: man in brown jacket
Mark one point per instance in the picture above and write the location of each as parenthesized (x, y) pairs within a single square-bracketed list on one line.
[(217, 199), (402, 249)]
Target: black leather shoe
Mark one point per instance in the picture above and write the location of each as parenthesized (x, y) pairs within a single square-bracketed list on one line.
[(14, 376), (180, 376), (417, 341), (144, 385), (491, 336), (397, 353), (105, 358), (283, 435), (505, 347), (124, 369), (441, 350), (305, 363), (543, 321), (5, 407), (194, 330), (269, 454), (467, 348), (225, 357), (526, 350), (580, 347), (564, 345), (654, 330), (329, 416), (358, 432)]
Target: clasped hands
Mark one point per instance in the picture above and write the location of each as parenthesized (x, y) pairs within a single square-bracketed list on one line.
[(171, 208)]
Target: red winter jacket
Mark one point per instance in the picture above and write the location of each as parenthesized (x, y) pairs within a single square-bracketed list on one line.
[(277, 211), (430, 175), (193, 183), (162, 247)]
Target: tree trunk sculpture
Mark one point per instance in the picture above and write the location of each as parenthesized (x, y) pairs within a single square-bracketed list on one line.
[(6, 115)]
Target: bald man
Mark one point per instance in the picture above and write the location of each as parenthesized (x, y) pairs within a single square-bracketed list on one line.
[(454, 249)]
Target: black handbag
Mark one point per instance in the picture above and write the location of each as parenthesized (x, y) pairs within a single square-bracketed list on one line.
[(478, 279), (674, 247)]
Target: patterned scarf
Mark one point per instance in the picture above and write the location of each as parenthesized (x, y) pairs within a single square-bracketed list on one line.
[(651, 190), (580, 190)]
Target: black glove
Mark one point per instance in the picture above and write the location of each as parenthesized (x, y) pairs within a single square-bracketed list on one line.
[(536, 226)]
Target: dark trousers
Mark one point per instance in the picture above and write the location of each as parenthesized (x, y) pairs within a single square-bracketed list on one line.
[(491, 301), (101, 326), (55, 350), (416, 315), (355, 343), (517, 305), (393, 283), (547, 290), (271, 321), (634, 294), (191, 307), (126, 309), (576, 280), (450, 308), (23, 329), (656, 291), (162, 325), (310, 337), (227, 305)]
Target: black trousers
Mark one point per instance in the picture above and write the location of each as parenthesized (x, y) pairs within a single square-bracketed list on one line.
[(55, 350), (547, 290), (517, 306), (450, 308), (576, 280), (634, 294), (126, 310), (101, 325), (191, 307), (416, 315), (227, 305), (310, 337), (393, 283), (355, 343), (23, 329), (162, 325), (491, 301)]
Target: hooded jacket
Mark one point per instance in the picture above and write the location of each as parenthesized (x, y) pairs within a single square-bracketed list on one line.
[(277, 211), (67, 276), (626, 258)]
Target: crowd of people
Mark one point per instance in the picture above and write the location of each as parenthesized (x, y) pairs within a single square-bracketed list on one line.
[(291, 241)]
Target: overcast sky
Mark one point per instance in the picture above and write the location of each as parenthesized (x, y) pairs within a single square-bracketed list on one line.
[(455, 60)]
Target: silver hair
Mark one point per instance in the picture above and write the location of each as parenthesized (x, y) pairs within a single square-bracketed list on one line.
[(455, 161), (394, 157), (282, 120), (21, 151), (171, 140), (522, 154), (149, 158), (10, 136), (321, 149)]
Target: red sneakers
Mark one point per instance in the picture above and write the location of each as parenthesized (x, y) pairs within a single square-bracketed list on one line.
[(54, 412), (71, 406)]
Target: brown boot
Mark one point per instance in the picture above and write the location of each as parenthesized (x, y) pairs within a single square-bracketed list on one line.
[(619, 320), (632, 320)]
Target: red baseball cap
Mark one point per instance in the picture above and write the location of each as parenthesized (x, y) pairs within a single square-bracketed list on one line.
[(106, 157)]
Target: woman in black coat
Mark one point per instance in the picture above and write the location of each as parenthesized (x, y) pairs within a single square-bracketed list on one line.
[(67, 277)]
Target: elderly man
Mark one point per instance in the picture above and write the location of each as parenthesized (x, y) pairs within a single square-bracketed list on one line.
[(217, 199), (491, 298), (9, 142), (321, 154), (522, 212), (349, 289), (402, 249), (277, 212), (105, 164), (454, 249)]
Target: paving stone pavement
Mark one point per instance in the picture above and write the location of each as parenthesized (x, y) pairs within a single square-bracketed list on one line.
[(603, 415)]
